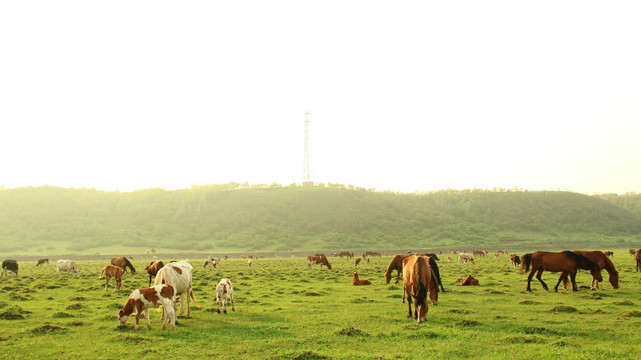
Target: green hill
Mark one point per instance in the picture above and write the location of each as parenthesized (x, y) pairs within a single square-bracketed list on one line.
[(236, 217)]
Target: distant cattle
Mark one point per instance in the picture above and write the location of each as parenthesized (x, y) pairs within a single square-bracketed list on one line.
[(515, 260), (357, 261), (42, 261), (67, 265), (346, 254), (318, 259), (224, 293), (357, 281), (153, 268), (179, 275), (608, 253), (151, 297), (631, 251), (249, 263), (110, 271), (465, 257), (9, 266), (212, 261), (637, 257), (123, 263), (480, 253)]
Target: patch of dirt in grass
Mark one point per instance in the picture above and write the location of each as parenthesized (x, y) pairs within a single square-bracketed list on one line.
[(312, 293), (395, 296), (78, 298), (563, 309), (352, 331), (53, 287), (62, 315), (468, 323), (624, 302), (76, 323), (11, 315), (633, 314), (132, 338), (114, 306), (496, 292), (424, 335), (540, 330), (529, 302), (523, 340), (74, 307), (458, 311), (48, 329), (362, 300), (309, 355)]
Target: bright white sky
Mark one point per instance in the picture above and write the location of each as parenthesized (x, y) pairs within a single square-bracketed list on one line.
[(403, 95)]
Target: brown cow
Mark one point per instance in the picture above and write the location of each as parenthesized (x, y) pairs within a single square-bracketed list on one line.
[(360, 282), (123, 263), (418, 281), (357, 261), (318, 259), (152, 269), (469, 280), (110, 271), (637, 257)]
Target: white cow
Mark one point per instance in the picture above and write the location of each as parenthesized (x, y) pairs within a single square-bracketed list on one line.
[(67, 265), (179, 275), (213, 262), (465, 257), (224, 292)]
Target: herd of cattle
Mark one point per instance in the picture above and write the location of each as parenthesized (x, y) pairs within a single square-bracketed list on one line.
[(421, 278)]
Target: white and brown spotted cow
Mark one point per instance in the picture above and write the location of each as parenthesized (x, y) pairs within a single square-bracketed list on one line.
[(318, 259), (151, 297), (179, 275), (224, 292)]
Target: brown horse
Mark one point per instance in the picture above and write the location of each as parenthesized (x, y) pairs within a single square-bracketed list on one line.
[(601, 259), (152, 269), (637, 257), (566, 262), (397, 264), (123, 263), (418, 280), (110, 271), (357, 281)]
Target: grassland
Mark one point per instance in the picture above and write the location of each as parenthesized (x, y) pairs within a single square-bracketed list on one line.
[(286, 311)]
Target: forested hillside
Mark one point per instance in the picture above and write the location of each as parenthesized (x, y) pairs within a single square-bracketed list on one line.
[(237, 217)]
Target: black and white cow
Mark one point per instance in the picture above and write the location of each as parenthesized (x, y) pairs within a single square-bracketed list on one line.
[(9, 265)]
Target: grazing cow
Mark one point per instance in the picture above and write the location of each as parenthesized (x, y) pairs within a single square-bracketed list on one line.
[(367, 253), (249, 263), (496, 256), (368, 260), (608, 253), (637, 257), (10, 266), (480, 253), (224, 292), (346, 254), (151, 297), (153, 268), (67, 265), (357, 261), (318, 259), (179, 275), (42, 261), (397, 264), (110, 271), (360, 282), (211, 261), (604, 262), (465, 257), (376, 253), (418, 280), (515, 260), (123, 263), (631, 251)]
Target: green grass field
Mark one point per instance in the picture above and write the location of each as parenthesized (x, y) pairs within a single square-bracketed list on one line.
[(286, 311)]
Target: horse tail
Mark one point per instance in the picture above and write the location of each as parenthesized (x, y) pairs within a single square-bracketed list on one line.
[(436, 274), (102, 273), (421, 295), (128, 264), (526, 260)]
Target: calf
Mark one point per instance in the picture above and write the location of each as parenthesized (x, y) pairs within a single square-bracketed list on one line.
[(153, 268), (224, 292), (10, 266), (515, 260), (357, 261), (42, 261), (110, 271), (360, 282), (150, 297)]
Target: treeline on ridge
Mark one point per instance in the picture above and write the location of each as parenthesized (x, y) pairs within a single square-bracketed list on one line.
[(239, 217)]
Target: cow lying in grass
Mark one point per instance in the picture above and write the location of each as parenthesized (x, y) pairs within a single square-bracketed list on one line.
[(224, 292), (151, 297), (360, 282)]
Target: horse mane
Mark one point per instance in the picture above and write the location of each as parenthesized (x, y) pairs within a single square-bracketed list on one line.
[(582, 261), (128, 264)]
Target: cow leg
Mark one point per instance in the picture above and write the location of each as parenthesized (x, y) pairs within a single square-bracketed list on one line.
[(188, 298), (147, 318), (232, 302), (106, 282), (224, 305), (538, 276), (218, 304), (137, 319), (409, 305)]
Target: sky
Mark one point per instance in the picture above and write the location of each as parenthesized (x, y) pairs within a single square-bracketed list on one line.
[(403, 96)]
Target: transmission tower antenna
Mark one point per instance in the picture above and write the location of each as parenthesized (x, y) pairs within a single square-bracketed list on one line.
[(307, 176)]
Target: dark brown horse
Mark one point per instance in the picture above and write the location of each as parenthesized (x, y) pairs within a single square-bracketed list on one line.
[(123, 263), (565, 262), (601, 259), (418, 281), (43, 261), (397, 264), (152, 269)]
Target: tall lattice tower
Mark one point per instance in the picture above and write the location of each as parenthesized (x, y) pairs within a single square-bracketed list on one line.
[(307, 176)]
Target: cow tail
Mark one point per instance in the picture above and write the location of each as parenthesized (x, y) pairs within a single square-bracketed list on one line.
[(102, 273), (525, 262), (193, 299)]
